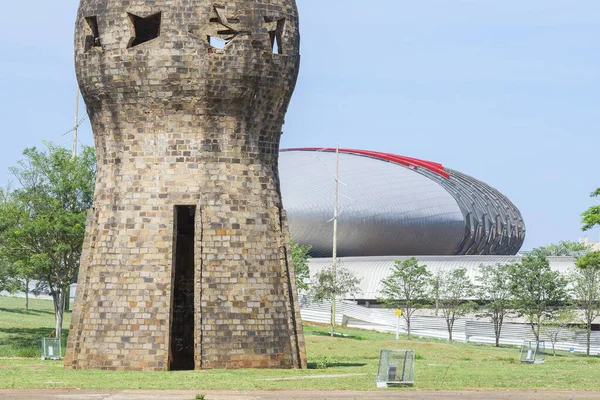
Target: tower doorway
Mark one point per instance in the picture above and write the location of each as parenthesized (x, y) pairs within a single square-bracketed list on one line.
[(182, 319)]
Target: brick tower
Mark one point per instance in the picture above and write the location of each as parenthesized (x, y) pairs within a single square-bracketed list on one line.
[(186, 261)]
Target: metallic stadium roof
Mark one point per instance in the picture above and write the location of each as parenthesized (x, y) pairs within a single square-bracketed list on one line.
[(394, 205)]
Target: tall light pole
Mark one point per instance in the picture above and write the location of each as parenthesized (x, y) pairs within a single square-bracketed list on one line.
[(335, 223), (76, 123), (67, 299)]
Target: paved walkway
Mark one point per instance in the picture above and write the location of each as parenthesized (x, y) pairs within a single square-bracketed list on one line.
[(286, 395)]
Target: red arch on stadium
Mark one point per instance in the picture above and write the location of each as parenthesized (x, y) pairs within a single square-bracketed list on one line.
[(409, 162)]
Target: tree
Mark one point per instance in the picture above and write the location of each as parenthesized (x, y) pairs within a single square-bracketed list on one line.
[(538, 292), (586, 290), (557, 329), (494, 289), (42, 222), (300, 259), (563, 248), (435, 293), (591, 217), (331, 284), (8, 278), (16, 278), (407, 288), (454, 288)]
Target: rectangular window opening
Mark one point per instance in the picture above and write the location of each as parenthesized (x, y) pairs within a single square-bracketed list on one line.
[(217, 42), (145, 28), (276, 46), (92, 38), (182, 319), (276, 29)]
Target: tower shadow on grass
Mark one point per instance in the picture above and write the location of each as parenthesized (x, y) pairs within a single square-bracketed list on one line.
[(321, 365), (26, 342), (26, 312), (337, 335)]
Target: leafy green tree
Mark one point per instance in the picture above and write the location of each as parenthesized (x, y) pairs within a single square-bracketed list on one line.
[(557, 329), (494, 289), (435, 293), (454, 289), (564, 248), (586, 290), (42, 222), (16, 278), (591, 217), (9, 281), (538, 292), (300, 259), (407, 288), (331, 285)]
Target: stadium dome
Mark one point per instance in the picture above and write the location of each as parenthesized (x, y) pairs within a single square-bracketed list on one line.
[(392, 205)]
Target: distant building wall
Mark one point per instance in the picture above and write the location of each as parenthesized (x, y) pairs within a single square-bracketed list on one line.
[(595, 246)]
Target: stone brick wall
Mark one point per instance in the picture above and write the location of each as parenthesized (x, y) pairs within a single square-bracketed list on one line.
[(178, 121)]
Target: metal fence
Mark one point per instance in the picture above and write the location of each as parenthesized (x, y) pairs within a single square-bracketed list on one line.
[(465, 330), (396, 368)]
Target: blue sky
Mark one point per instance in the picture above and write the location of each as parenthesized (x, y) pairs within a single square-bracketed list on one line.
[(506, 91)]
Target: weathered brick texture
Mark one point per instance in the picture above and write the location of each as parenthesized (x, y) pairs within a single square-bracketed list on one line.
[(179, 122)]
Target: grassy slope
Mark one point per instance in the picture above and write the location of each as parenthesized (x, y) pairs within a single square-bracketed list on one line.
[(21, 331), (439, 366)]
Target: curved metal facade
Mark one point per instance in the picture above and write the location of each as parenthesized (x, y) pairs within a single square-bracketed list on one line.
[(394, 205)]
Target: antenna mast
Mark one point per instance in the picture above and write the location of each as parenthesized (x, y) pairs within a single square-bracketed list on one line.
[(76, 124), (335, 223)]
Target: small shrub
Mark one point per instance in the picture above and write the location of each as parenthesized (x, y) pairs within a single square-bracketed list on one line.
[(323, 364), (509, 359), (419, 357), (326, 362), (200, 396)]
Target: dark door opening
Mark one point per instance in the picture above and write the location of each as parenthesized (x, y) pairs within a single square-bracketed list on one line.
[(182, 320)]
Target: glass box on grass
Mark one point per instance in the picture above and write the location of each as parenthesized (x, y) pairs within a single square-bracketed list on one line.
[(533, 352), (396, 368), (51, 349)]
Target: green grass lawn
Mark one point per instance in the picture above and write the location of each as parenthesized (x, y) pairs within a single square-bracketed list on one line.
[(439, 365), (21, 331)]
